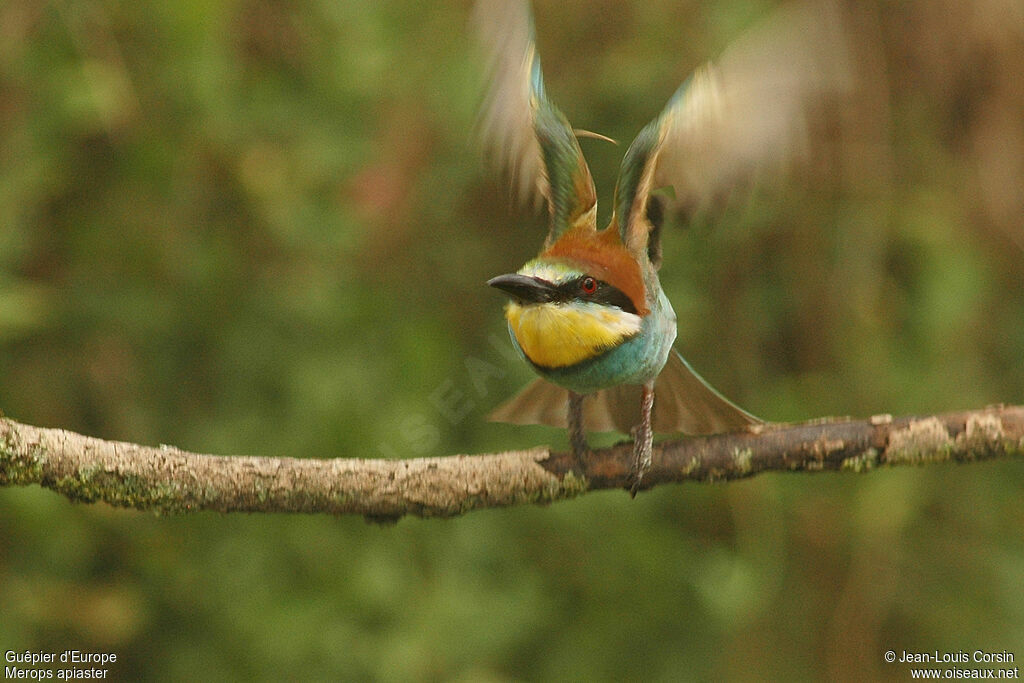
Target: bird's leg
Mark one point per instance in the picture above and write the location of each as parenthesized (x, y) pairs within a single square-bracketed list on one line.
[(643, 438), (577, 437)]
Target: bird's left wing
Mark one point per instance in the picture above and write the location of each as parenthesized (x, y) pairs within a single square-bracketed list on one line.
[(749, 112), (521, 129)]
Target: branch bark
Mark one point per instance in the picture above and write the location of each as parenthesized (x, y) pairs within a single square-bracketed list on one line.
[(166, 479)]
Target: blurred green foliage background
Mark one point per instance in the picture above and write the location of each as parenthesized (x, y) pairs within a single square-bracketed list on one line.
[(262, 227)]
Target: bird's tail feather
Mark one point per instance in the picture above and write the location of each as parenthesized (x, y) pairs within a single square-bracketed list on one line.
[(683, 403)]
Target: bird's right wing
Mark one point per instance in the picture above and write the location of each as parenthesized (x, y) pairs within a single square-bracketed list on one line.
[(527, 136)]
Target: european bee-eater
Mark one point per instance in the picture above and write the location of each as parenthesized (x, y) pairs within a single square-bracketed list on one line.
[(588, 313)]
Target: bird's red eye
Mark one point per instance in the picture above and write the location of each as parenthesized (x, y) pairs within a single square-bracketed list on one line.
[(589, 285)]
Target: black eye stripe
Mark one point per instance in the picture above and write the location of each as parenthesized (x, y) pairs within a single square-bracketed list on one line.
[(605, 294)]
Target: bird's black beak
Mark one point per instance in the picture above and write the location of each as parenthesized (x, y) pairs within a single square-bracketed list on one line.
[(525, 289)]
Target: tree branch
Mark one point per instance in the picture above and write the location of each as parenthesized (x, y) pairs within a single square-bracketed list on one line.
[(166, 479)]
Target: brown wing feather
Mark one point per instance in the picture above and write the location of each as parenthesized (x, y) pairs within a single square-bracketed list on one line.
[(540, 403)]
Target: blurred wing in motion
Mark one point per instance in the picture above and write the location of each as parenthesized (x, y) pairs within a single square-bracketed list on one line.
[(749, 113), (521, 129)]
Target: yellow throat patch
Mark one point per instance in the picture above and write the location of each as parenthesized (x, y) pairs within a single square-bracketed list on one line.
[(556, 335)]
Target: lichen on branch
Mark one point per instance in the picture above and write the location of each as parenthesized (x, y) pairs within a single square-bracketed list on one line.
[(166, 479)]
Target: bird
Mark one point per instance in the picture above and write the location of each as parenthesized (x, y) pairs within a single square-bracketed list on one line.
[(588, 313)]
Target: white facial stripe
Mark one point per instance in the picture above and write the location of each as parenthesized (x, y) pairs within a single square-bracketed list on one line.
[(548, 271)]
